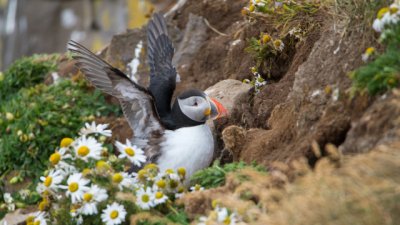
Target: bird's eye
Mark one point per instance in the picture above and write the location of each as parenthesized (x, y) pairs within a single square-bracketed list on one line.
[(195, 104)]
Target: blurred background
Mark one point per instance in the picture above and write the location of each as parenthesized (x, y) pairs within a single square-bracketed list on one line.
[(45, 26)]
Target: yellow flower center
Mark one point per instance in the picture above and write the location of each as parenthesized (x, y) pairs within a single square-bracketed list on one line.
[(30, 219), (43, 205), (182, 171), (83, 151), (151, 166), (266, 38), (169, 171), (117, 178), (55, 158), (159, 195), (87, 197), (47, 182), (86, 171), (252, 8), (65, 142), (227, 220), (197, 187), (37, 222), (278, 43), (173, 184), (370, 51), (181, 189), (382, 12), (72, 187), (145, 198), (114, 214), (161, 183), (129, 151), (142, 174), (394, 10)]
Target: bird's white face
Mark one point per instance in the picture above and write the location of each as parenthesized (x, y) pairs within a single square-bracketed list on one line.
[(197, 108)]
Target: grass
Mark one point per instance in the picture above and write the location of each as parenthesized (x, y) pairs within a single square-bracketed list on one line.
[(215, 175)]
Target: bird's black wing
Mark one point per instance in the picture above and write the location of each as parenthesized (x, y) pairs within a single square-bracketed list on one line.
[(136, 102), (162, 73)]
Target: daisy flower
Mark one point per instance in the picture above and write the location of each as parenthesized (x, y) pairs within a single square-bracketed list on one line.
[(87, 148), (368, 52), (197, 187), (224, 217), (95, 129), (113, 214), (123, 180), (38, 218), (144, 198), (56, 159), (76, 187), (91, 199), (278, 44), (159, 198), (132, 152), (51, 181)]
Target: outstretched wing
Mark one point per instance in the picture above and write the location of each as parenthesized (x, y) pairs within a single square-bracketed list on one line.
[(162, 73), (136, 102)]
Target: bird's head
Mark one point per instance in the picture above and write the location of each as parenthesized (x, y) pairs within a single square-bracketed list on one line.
[(198, 106)]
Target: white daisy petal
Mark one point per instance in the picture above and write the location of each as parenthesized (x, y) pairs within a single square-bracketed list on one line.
[(113, 214)]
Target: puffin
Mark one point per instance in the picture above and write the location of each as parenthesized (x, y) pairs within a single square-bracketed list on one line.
[(172, 133)]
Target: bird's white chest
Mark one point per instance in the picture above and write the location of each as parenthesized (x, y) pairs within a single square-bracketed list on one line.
[(189, 147)]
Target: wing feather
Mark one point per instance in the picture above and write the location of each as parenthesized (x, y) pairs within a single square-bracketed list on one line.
[(162, 72), (136, 101)]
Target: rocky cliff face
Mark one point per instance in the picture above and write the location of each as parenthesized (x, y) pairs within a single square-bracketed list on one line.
[(305, 101)]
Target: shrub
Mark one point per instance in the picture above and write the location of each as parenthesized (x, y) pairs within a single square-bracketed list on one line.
[(30, 121), (26, 72)]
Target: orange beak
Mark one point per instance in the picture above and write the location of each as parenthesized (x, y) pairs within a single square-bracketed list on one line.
[(220, 109)]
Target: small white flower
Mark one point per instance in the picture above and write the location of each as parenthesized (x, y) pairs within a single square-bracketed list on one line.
[(11, 207), (40, 218), (51, 181), (113, 214), (378, 25), (76, 187), (123, 179), (86, 148), (197, 187), (144, 198), (91, 199), (132, 152), (24, 193), (95, 129), (7, 198), (159, 198), (224, 217)]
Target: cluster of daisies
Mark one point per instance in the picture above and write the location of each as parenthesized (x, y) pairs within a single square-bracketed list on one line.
[(220, 215), (85, 180), (386, 18)]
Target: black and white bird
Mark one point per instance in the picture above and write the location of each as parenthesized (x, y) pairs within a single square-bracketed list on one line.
[(171, 137)]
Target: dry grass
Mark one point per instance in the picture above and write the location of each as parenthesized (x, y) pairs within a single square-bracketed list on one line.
[(363, 189)]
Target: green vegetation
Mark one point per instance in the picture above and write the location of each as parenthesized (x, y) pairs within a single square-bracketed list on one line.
[(383, 72), (284, 15), (33, 114), (215, 175), (26, 72)]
